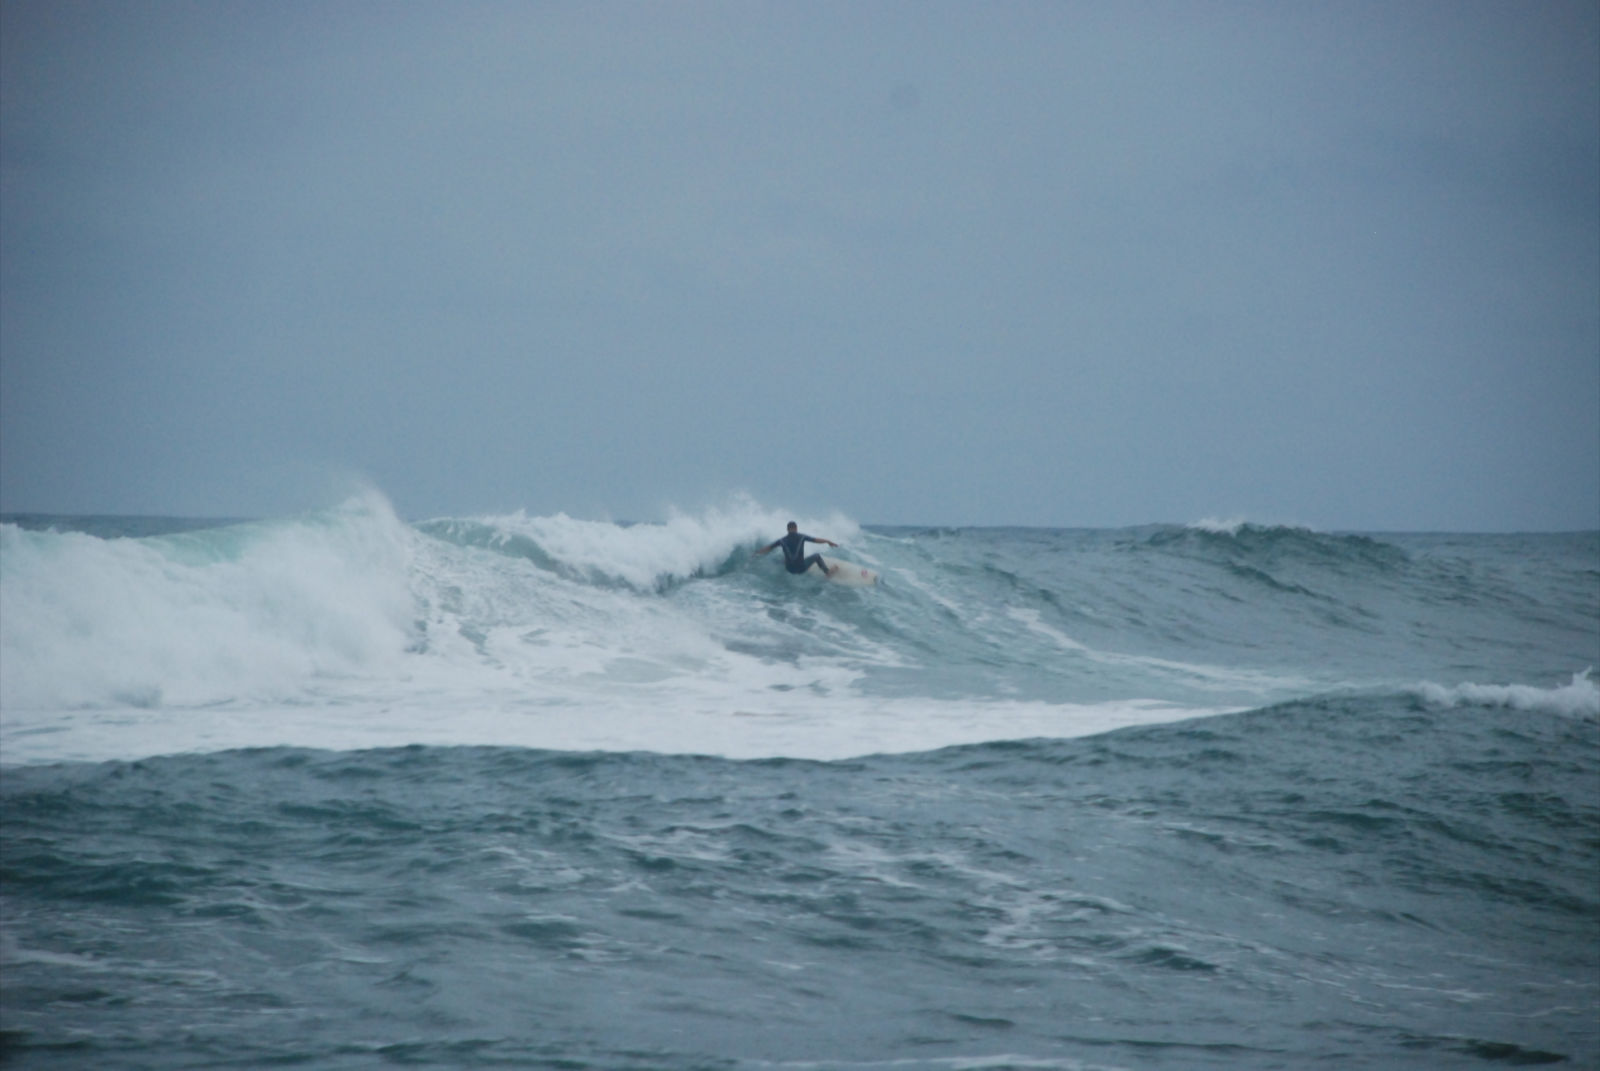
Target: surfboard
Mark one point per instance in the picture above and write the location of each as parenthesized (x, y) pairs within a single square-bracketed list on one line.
[(849, 573)]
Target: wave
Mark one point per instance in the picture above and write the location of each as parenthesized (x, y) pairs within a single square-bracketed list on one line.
[(352, 627), (644, 557), (1277, 543), (274, 610), (1232, 526)]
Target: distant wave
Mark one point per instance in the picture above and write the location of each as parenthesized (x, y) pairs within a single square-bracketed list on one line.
[(1231, 526), (1258, 550)]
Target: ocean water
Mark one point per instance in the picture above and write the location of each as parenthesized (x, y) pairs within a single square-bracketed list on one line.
[(345, 791)]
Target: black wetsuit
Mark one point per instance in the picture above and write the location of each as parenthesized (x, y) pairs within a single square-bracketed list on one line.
[(794, 553)]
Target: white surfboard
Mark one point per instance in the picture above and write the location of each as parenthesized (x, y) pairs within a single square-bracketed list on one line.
[(849, 573)]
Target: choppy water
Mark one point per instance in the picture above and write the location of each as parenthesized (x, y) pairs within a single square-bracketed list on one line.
[(347, 792)]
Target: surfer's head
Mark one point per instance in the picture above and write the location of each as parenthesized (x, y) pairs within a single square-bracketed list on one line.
[(793, 527)]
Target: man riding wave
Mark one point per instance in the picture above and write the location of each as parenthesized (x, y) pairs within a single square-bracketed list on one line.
[(794, 553)]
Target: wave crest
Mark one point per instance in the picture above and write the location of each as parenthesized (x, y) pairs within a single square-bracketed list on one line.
[(645, 556), (1241, 542), (1578, 698)]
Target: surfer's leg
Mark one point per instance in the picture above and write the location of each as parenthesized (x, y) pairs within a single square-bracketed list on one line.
[(816, 559)]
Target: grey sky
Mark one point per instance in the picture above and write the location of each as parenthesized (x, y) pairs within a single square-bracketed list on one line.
[(1064, 263)]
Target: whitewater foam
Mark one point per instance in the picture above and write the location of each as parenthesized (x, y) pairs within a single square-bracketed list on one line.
[(799, 725), (187, 621), (1217, 526), (1578, 698), (1233, 526)]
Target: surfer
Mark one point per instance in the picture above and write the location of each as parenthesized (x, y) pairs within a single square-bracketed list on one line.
[(794, 553)]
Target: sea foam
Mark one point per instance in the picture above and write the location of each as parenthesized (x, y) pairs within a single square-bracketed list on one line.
[(200, 618), (1580, 697)]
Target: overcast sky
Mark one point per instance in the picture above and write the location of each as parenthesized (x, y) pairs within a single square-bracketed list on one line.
[(1077, 263)]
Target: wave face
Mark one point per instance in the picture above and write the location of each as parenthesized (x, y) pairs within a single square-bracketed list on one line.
[(345, 791)]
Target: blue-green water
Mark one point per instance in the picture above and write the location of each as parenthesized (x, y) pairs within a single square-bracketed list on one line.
[(340, 791)]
